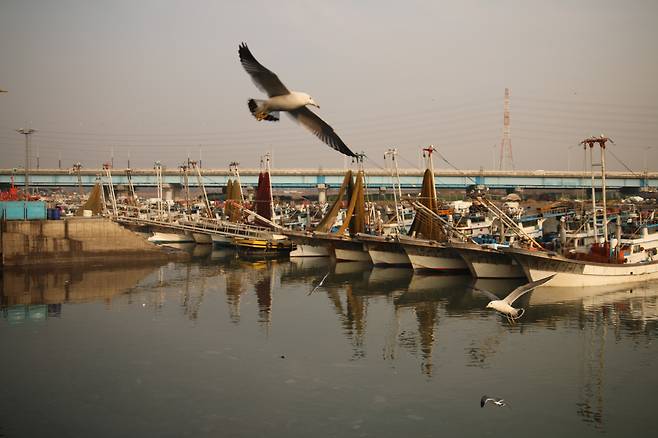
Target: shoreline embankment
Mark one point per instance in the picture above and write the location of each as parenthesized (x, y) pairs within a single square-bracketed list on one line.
[(76, 240)]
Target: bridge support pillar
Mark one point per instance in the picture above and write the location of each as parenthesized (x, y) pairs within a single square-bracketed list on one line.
[(170, 192), (322, 194)]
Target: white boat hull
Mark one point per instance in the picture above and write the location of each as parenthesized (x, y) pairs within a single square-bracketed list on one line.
[(437, 263), (487, 263), (202, 238), (594, 277), (572, 273), (159, 237), (384, 251), (427, 255), (304, 250), (352, 255), (382, 257), (490, 270), (221, 240)]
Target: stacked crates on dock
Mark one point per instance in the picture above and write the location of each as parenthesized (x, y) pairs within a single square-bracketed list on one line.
[(22, 210)]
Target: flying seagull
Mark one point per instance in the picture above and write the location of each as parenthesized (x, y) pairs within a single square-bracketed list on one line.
[(504, 306), (281, 99), (320, 283), (495, 400)]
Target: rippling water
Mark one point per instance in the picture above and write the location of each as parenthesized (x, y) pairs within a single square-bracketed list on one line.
[(225, 347)]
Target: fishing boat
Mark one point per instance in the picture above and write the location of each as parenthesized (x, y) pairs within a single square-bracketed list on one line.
[(310, 245), (613, 261), (342, 241), (385, 249), (263, 247), (427, 243), (532, 226), (578, 273)]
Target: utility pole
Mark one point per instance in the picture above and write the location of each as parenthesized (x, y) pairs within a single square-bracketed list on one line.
[(27, 132)]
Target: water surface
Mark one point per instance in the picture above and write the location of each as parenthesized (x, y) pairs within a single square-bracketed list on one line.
[(225, 347)]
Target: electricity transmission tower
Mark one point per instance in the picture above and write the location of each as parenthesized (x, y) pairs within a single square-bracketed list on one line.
[(506, 161)]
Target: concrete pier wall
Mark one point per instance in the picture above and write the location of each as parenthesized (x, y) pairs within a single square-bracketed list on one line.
[(73, 240)]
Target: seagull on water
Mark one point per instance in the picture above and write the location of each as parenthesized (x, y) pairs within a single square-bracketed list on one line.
[(495, 400), (294, 103), (504, 306)]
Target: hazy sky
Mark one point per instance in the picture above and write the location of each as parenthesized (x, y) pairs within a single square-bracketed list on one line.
[(159, 79)]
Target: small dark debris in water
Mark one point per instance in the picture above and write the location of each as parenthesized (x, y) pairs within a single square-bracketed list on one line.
[(282, 356)]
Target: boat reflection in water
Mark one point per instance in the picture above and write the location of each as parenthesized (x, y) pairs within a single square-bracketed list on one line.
[(604, 314), (334, 319)]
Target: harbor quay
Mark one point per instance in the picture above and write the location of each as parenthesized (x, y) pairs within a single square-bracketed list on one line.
[(75, 240)]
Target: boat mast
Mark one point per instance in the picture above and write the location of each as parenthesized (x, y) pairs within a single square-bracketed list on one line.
[(370, 218), (268, 159), (233, 167), (591, 171), (605, 207), (392, 153), (601, 141), (430, 166), (158, 179), (107, 168), (184, 169), (131, 186), (203, 188)]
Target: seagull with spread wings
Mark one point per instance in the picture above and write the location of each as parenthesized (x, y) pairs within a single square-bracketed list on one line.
[(504, 306), (495, 400), (281, 99), (319, 284)]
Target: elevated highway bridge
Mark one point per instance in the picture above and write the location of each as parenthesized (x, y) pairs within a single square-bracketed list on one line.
[(332, 178)]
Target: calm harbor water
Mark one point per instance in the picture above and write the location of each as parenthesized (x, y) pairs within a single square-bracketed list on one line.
[(225, 347)]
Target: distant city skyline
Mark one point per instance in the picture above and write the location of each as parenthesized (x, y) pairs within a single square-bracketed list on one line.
[(160, 80)]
